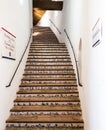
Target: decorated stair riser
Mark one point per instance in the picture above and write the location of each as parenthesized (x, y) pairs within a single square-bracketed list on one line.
[(49, 67), (48, 97), (48, 63), (48, 57), (47, 125), (68, 103), (46, 113), (48, 82), (50, 60)]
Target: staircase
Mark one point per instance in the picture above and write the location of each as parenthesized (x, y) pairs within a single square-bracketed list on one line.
[(48, 97)]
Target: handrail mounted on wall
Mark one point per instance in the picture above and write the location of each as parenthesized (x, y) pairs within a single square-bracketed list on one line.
[(78, 77), (55, 26), (20, 59)]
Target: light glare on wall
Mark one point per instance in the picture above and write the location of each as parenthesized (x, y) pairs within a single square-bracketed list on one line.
[(21, 2)]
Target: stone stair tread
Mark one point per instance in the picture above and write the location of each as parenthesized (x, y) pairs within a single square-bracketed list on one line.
[(67, 65), (44, 128), (48, 69), (47, 99), (45, 108), (48, 52), (32, 54), (48, 79), (48, 61), (45, 119), (47, 47), (48, 85), (56, 73), (42, 57), (46, 91), (48, 43)]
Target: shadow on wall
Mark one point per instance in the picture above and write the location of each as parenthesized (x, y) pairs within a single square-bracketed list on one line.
[(37, 15)]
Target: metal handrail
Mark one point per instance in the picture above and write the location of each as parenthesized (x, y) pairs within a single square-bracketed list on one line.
[(55, 26), (20, 60), (78, 77)]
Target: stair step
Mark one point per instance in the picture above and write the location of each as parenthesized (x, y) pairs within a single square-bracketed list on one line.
[(38, 47), (47, 103), (48, 57), (73, 87), (45, 119), (49, 79), (48, 51), (47, 95), (45, 108), (48, 47), (40, 43), (46, 99), (49, 71), (48, 67), (49, 63), (47, 91), (26, 128), (49, 43), (48, 82), (48, 85), (49, 54), (48, 60), (45, 113), (48, 76), (62, 74)]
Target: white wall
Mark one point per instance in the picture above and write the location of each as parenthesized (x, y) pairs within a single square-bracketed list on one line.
[(16, 17), (97, 86), (78, 17)]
